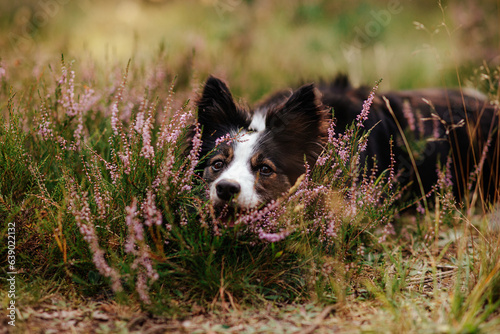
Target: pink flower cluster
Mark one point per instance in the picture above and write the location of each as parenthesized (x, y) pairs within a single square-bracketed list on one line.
[(75, 105), (78, 206), (444, 176), (102, 197), (173, 174), (363, 116), (409, 116), (228, 138), (44, 128), (273, 237), (152, 216), (192, 160), (172, 130), (138, 247), (144, 128), (115, 121)]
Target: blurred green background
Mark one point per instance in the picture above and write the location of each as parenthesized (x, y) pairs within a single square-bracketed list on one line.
[(259, 45)]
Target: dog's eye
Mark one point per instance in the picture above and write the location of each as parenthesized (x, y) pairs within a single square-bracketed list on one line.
[(217, 165), (265, 170)]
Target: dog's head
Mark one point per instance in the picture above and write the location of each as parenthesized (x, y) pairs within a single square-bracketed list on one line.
[(254, 156)]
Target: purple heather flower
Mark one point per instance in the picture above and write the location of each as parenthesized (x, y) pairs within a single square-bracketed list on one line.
[(150, 213), (408, 114), (139, 122), (192, 160), (171, 131), (363, 116), (272, 237), (79, 207), (147, 150)]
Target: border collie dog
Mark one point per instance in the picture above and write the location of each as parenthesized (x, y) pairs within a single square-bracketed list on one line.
[(254, 156)]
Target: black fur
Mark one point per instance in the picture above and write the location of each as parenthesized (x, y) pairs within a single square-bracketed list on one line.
[(296, 126), (297, 129), (218, 114), (464, 124)]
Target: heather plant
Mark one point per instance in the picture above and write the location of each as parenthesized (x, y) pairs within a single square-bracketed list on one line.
[(119, 178), (123, 183), (98, 173), (361, 198), (117, 206)]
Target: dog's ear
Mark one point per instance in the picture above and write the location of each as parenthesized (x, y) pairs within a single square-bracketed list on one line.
[(299, 126), (304, 100), (302, 115), (217, 106)]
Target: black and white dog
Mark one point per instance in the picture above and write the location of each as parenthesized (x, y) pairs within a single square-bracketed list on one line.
[(254, 156)]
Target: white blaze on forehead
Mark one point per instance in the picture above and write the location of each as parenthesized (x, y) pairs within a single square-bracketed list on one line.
[(258, 121), (240, 171)]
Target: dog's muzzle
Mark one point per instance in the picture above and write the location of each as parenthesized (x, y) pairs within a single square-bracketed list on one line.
[(227, 189)]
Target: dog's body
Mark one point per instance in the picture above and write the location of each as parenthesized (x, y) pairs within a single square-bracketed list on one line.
[(255, 156), (447, 122)]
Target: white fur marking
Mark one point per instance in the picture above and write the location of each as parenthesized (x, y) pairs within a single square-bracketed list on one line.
[(258, 121), (240, 170)]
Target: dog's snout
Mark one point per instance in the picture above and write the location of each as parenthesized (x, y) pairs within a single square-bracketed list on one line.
[(227, 189)]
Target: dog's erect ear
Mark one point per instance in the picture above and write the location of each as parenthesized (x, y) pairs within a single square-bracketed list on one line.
[(301, 115), (216, 97), (304, 100), (300, 122), (217, 106)]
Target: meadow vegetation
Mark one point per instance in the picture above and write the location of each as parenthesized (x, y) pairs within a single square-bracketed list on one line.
[(111, 216)]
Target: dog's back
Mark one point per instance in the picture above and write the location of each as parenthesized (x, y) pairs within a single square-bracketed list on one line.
[(442, 120)]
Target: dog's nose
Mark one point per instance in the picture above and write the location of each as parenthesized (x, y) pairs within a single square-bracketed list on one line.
[(227, 189)]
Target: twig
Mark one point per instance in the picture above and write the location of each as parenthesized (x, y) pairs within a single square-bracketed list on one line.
[(319, 319)]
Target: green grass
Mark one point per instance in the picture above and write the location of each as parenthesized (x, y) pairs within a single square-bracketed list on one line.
[(70, 190)]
